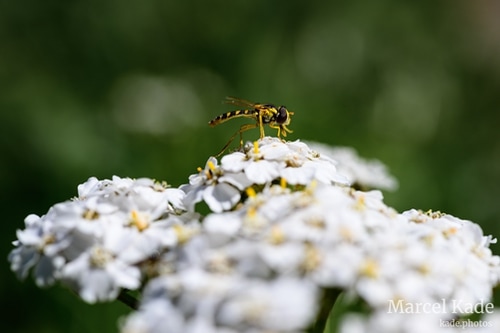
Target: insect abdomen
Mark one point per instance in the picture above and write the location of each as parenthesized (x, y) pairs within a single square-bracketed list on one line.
[(228, 115)]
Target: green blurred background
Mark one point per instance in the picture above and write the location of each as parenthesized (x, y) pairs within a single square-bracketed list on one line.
[(102, 88)]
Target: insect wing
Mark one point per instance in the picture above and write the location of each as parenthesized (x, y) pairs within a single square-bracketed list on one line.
[(241, 103)]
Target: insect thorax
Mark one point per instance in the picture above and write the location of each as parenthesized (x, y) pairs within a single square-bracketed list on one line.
[(268, 114)]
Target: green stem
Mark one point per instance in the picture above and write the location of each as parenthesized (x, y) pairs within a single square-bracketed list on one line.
[(328, 299), (128, 300)]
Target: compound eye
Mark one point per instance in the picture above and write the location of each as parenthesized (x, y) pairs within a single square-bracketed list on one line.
[(282, 115)]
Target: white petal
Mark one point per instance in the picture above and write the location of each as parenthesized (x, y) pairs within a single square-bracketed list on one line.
[(234, 162), (262, 171), (225, 223), (221, 197)]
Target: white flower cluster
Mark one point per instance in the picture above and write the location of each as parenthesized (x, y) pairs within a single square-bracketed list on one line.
[(361, 173), (97, 242), (263, 162), (283, 228)]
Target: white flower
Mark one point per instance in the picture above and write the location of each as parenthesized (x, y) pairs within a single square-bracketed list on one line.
[(339, 237), (220, 190), (283, 227), (98, 242), (40, 247), (268, 160), (88, 216), (280, 305), (91, 186), (144, 193), (156, 316), (362, 173), (99, 273), (473, 271), (203, 301), (258, 170), (227, 224)]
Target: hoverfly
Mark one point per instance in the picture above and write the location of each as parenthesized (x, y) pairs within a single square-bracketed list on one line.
[(276, 117)]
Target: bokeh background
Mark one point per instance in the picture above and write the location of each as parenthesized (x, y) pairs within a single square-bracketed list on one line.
[(102, 88)]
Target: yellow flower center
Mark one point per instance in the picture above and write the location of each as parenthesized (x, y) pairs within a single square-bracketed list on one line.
[(370, 268), (140, 221)]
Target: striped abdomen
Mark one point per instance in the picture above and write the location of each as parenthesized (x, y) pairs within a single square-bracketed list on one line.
[(233, 114)]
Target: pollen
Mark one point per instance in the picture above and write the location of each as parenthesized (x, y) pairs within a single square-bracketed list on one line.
[(428, 239), (277, 236), (252, 212), (253, 221), (220, 263), (255, 147), (211, 165), (47, 240), (312, 259), (311, 187), (424, 269), (316, 222), (450, 232), (346, 233), (434, 214), (100, 257), (360, 204), (211, 169), (140, 221), (161, 186), (251, 192), (283, 182), (370, 268), (90, 214), (183, 234)]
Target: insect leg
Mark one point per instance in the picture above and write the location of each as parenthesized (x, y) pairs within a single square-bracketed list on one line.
[(261, 126), (242, 129), (279, 130)]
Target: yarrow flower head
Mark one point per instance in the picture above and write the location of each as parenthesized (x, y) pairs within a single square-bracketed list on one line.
[(97, 242), (262, 162), (284, 234)]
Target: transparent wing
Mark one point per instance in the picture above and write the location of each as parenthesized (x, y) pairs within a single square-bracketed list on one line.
[(241, 102)]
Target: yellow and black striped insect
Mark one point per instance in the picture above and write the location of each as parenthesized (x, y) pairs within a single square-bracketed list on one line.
[(276, 117)]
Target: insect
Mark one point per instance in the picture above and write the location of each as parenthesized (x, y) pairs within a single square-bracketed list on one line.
[(276, 117)]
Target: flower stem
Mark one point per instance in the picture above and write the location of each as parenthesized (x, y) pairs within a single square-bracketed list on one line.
[(128, 300), (328, 299)]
